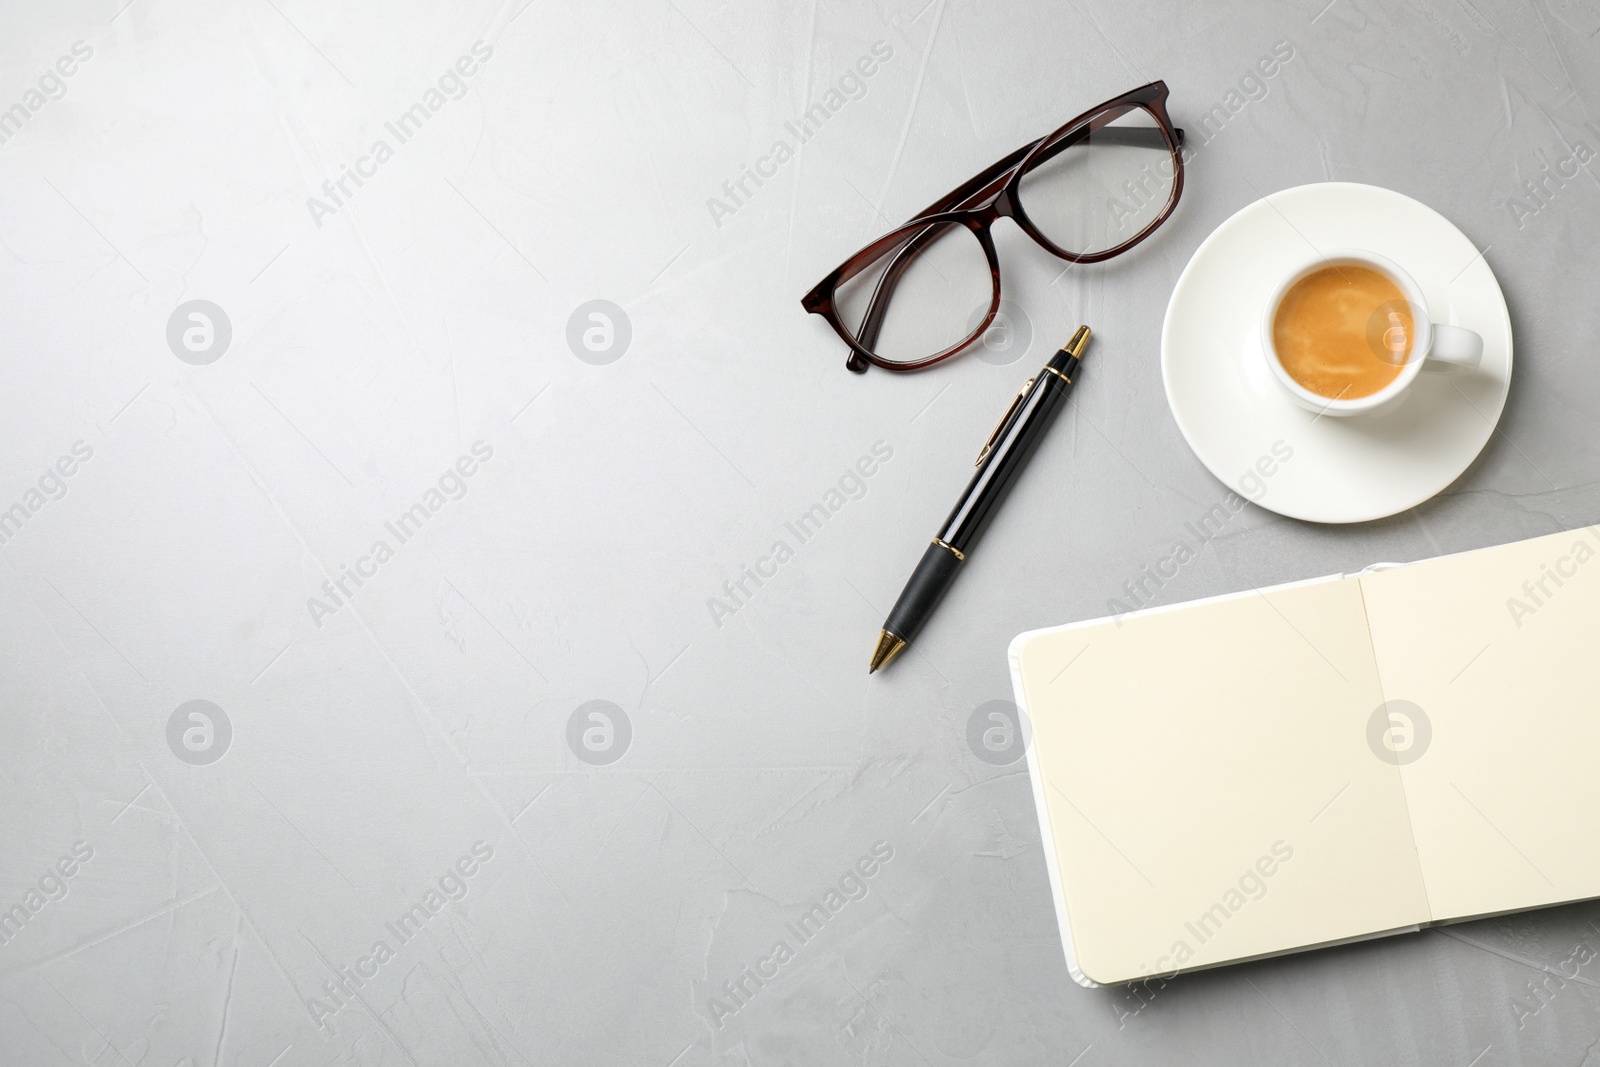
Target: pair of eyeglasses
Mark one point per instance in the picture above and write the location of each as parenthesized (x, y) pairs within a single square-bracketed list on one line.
[(1089, 191)]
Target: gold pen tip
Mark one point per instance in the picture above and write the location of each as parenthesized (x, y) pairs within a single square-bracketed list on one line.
[(889, 646), (1080, 341)]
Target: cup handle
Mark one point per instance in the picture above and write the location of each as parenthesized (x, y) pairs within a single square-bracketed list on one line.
[(1456, 346)]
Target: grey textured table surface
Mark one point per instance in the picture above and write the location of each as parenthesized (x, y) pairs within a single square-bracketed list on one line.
[(408, 758)]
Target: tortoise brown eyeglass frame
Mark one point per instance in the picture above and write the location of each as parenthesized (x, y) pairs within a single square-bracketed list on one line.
[(977, 204)]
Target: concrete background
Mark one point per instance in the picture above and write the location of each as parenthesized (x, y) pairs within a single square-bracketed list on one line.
[(415, 745)]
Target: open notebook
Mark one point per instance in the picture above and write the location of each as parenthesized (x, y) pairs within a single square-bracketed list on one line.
[(1319, 762)]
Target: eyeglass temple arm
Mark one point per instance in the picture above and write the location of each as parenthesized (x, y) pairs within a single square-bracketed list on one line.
[(992, 179), (872, 322), (974, 191), (970, 193)]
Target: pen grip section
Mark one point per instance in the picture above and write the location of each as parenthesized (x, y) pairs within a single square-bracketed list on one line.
[(934, 573)]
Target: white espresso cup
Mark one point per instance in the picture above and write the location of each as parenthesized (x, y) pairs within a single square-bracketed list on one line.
[(1432, 342)]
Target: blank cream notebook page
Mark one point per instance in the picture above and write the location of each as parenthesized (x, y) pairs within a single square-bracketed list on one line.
[(1500, 649), (1206, 786)]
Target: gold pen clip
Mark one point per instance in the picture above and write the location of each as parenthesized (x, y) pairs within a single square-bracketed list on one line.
[(1001, 425)]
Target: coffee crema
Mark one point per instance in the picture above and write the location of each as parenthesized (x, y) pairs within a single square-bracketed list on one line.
[(1343, 332)]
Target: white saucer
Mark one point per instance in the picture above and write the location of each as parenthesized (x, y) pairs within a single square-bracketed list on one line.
[(1339, 469)]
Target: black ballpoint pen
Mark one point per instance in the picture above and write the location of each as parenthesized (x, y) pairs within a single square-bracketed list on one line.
[(1008, 450)]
